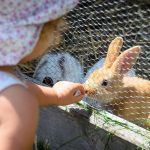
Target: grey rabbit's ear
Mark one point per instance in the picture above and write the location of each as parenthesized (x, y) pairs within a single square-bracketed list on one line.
[(126, 60), (40, 64), (113, 52), (61, 64)]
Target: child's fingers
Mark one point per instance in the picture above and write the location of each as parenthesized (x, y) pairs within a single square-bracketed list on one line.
[(78, 98), (79, 87)]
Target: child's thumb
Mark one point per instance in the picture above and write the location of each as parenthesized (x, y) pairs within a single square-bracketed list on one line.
[(78, 97)]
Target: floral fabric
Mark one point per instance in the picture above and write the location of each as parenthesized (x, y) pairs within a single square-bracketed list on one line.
[(21, 22)]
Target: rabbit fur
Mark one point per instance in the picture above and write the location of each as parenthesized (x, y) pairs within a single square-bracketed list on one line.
[(57, 67), (100, 64), (130, 96), (96, 66)]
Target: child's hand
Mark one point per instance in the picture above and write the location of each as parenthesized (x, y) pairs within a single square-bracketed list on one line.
[(66, 92)]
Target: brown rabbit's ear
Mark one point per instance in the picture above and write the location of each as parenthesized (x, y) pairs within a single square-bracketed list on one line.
[(113, 52), (126, 60)]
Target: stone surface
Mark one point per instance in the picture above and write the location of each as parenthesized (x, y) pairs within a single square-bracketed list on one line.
[(62, 130)]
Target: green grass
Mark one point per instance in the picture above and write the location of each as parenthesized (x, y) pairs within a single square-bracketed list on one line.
[(43, 145)]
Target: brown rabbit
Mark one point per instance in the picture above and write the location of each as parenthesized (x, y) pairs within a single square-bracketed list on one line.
[(130, 96)]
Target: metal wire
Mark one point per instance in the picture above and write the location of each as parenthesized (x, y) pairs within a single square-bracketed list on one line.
[(92, 25)]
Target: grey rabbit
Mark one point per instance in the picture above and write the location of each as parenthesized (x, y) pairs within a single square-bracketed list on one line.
[(54, 67)]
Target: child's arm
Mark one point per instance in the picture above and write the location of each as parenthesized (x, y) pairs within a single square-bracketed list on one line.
[(62, 93), (18, 118)]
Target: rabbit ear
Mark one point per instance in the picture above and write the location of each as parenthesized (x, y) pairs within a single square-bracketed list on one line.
[(126, 60), (113, 51)]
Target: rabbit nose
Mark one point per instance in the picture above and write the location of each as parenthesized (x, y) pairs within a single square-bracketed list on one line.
[(88, 90), (85, 89)]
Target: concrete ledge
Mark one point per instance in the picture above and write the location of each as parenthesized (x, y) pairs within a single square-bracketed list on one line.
[(75, 128)]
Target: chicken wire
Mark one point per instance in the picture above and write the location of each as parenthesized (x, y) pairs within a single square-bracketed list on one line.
[(91, 26)]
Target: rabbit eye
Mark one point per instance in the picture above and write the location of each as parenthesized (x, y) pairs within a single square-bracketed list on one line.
[(48, 81), (104, 83)]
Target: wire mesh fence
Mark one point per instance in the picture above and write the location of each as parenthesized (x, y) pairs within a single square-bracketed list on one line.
[(90, 29)]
